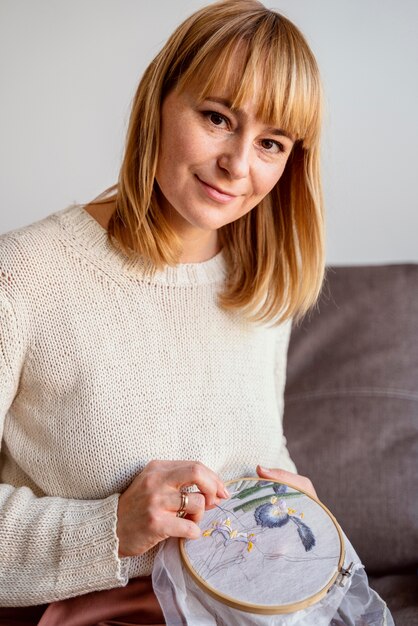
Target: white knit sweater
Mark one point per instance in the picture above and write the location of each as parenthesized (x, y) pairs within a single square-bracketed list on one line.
[(103, 368)]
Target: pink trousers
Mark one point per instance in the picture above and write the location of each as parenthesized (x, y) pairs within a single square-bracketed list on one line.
[(125, 606)]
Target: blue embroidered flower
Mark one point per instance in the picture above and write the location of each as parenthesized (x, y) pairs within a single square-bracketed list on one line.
[(276, 513), (273, 514)]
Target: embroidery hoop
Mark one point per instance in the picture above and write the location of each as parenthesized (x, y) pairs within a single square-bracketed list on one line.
[(336, 571)]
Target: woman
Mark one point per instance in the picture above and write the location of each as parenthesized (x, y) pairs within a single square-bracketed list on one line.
[(144, 336)]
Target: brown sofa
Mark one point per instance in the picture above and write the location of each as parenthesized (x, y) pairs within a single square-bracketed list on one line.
[(351, 419)]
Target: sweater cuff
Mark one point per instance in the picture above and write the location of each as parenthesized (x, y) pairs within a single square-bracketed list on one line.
[(89, 558)]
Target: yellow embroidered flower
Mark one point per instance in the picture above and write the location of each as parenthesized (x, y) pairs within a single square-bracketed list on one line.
[(223, 527)]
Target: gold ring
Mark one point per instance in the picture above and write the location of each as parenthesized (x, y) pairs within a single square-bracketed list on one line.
[(183, 505)]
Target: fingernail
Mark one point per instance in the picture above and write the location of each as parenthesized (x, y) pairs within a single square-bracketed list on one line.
[(264, 470)]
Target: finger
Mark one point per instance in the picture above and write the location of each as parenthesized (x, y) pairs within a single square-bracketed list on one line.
[(208, 483), (194, 503), (180, 474), (296, 480), (182, 528)]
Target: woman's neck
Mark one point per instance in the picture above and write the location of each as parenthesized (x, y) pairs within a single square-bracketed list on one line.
[(102, 212)]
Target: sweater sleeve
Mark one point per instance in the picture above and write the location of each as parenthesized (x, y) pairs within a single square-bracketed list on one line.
[(50, 548)]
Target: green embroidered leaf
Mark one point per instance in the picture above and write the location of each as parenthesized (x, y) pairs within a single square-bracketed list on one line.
[(249, 492), (256, 488), (251, 504)]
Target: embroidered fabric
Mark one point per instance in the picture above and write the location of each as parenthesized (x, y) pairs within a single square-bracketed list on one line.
[(184, 603)]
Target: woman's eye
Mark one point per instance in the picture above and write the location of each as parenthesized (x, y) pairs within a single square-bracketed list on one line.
[(272, 146), (216, 118)]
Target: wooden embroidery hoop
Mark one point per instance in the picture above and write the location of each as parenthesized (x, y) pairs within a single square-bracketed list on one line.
[(269, 609)]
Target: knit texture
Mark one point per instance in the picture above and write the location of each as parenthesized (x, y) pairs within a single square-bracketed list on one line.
[(105, 366)]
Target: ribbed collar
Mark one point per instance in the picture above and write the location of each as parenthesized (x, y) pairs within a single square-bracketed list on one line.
[(91, 238)]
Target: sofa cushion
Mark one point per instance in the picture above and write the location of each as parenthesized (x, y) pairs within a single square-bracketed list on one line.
[(351, 408)]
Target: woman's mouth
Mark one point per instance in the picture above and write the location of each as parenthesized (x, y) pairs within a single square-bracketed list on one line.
[(215, 193)]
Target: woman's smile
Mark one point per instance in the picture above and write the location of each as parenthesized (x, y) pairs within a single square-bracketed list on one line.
[(216, 194)]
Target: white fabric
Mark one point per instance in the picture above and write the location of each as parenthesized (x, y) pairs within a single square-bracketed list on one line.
[(104, 367), (184, 603)]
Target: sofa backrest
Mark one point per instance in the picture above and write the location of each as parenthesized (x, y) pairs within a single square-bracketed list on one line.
[(351, 408)]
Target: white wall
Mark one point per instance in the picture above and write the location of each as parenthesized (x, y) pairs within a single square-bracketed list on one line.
[(68, 71)]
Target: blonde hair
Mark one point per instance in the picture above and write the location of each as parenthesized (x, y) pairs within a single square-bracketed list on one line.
[(274, 253)]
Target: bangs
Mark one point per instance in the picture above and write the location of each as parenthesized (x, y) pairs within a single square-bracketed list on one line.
[(266, 61)]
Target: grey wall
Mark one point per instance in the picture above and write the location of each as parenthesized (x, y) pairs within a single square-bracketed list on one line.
[(68, 71)]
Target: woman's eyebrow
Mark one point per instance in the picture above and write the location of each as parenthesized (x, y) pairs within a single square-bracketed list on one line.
[(281, 132), (228, 104), (223, 101)]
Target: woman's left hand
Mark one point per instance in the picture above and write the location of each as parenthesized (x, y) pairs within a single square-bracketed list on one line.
[(300, 482)]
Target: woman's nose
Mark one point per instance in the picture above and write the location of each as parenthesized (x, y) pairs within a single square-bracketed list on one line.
[(234, 158)]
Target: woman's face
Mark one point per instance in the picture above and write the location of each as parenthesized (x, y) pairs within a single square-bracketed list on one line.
[(215, 163)]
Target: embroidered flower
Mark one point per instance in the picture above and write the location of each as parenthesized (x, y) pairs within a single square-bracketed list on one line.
[(273, 514), (223, 528), (276, 514)]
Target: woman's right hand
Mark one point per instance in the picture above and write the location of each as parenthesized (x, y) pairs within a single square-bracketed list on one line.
[(147, 509)]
